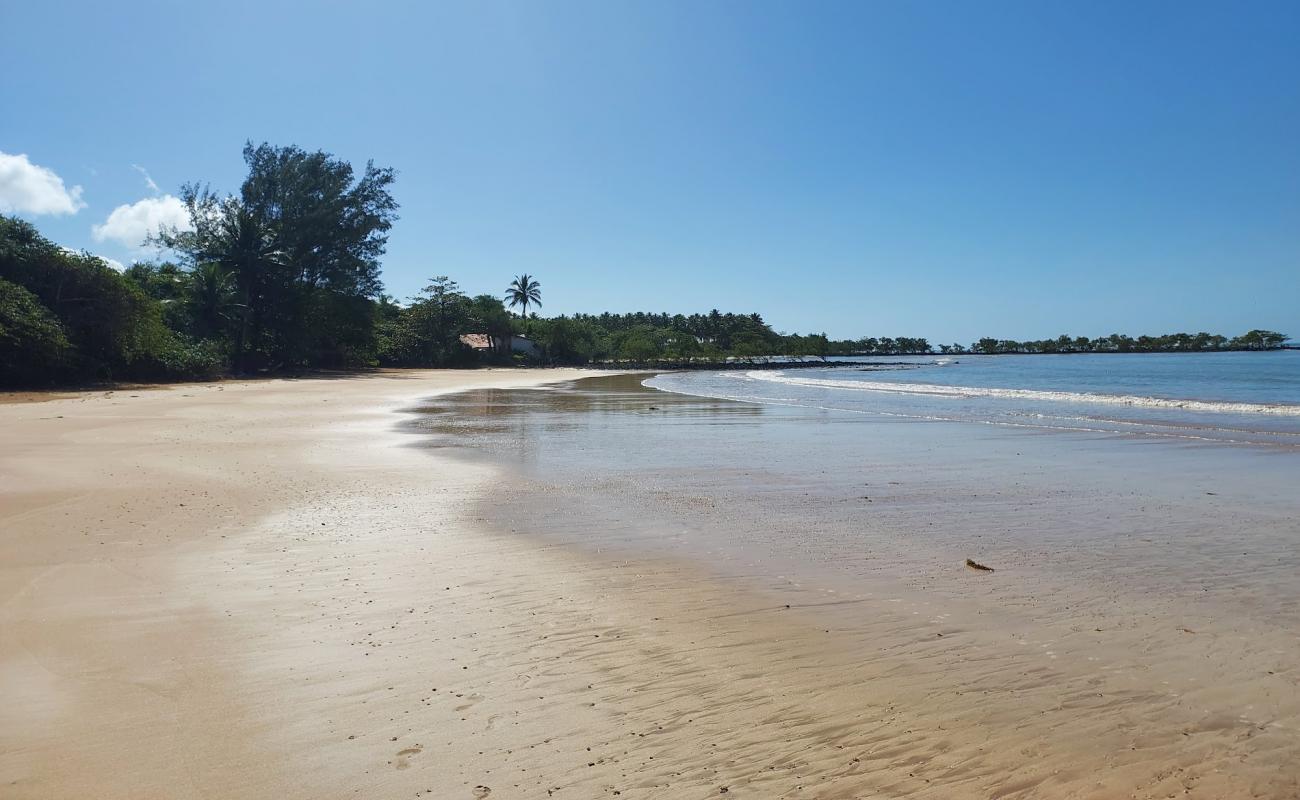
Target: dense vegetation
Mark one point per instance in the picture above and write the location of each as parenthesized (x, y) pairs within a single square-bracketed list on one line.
[(643, 337), (287, 269), (68, 317), (1115, 343), (285, 275)]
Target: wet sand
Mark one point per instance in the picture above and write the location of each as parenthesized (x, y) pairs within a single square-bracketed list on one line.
[(1138, 636), (257, 590)]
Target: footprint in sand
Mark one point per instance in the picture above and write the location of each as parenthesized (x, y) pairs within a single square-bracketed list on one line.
[(404, 756), (481, 791), (470, 702)]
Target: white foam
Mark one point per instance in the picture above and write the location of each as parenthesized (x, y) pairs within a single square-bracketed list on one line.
[(940, 390), (794, 403)]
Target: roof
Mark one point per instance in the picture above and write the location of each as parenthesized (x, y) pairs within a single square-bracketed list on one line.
[(478, 341)]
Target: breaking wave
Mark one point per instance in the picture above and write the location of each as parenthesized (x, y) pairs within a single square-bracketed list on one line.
[(941, 390)]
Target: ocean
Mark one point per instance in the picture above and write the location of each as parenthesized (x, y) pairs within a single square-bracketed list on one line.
[(1237, 398)]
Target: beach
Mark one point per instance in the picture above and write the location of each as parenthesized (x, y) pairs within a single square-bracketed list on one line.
[(505, 583), (205, 587)]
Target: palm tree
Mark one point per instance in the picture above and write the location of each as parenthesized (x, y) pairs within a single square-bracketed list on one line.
[(211, 294), (524, 291), (245, 247)]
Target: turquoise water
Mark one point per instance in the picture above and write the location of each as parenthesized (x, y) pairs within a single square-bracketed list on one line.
[(1223, 398)]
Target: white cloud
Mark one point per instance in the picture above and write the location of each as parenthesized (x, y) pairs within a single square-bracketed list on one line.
[(112, 262), (131, 224), (148, 181), (26, 188)]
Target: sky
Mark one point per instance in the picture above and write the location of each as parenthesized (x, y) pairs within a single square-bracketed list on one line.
[(942, 169)]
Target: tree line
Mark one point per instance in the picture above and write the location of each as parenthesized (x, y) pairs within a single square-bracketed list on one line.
[(428, 331), (1114, 343)]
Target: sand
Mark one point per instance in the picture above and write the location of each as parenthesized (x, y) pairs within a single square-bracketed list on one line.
[(259, 590)]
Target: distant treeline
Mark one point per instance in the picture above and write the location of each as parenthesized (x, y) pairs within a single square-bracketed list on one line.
[(646, 337), (427, 333), (1114, 343)]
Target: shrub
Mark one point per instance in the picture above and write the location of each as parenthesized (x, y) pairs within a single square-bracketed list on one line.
[(34, 349)]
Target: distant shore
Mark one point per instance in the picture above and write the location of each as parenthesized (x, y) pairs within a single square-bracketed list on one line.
[(852, 360)]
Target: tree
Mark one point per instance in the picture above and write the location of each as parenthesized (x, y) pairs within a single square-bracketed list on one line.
[(210, 297), (566, 340), (639, 344), (436, 321), (33, 347), (230, 235), (489, 315), (303, 240), (332, 230), (165, 283), (524, 291), (110, 327), (1260, 340)]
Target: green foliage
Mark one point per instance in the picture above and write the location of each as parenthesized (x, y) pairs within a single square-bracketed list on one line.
[(427, 333), (1121, 343), (1115, 343), (162, 282), (883, 346), (641, 343), (301, 243), (113, 327), (33, 347), (523, 292), (210, 301), (335, 330), (78, 319), (566, 340), (1260, 340), (420, 334), (168, 284), (181, 358), (487, 314)]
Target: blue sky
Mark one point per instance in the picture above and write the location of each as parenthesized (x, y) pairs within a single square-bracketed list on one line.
[(942, 169)]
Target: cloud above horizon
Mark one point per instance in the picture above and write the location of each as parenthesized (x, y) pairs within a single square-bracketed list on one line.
[(27, 188), (131, 224)]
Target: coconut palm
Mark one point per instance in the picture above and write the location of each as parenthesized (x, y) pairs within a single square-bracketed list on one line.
[(211, 296), (244, 246), (523, 292)]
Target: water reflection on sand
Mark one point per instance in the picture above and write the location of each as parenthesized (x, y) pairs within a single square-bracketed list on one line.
[(1153, 583)]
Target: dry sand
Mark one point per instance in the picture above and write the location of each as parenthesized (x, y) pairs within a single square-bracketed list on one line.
[(255, 590)]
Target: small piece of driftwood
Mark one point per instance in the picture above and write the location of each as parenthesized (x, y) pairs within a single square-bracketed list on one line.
[(977, 566)]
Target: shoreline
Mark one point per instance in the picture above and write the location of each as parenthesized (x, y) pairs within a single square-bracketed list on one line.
[(1124, 661), (31, 395)]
